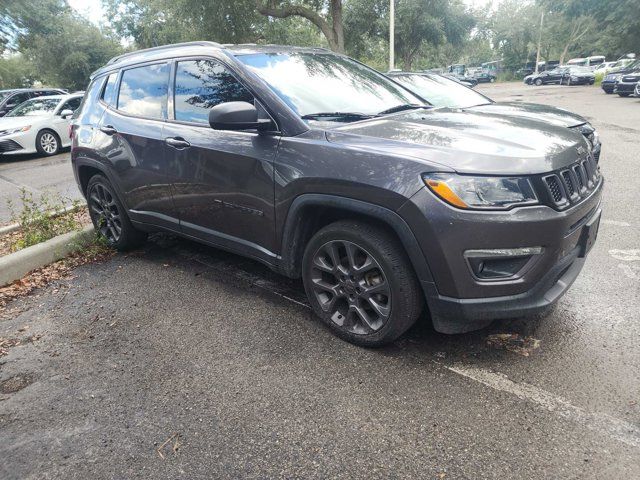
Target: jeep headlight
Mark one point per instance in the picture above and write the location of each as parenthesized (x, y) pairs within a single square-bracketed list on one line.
[(485, 193)]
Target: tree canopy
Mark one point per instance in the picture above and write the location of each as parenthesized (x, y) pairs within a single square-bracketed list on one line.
[(48, 42)]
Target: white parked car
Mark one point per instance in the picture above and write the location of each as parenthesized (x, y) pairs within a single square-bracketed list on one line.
[(39, 125)]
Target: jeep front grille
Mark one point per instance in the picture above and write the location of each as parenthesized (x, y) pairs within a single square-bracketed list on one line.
[(572, 185)]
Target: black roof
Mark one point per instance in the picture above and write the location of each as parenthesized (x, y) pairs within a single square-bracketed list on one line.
[(195, 48)]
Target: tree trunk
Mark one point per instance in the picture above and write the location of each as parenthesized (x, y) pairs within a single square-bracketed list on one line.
[(334, 33)]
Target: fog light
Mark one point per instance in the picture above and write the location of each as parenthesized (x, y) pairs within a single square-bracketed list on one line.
[(491, 264)]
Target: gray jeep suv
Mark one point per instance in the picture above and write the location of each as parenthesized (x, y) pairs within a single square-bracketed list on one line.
[(325, 169)]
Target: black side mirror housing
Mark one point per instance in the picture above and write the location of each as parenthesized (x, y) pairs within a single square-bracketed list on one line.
[(237, 116)]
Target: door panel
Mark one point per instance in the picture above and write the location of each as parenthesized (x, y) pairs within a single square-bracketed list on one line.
[(223, 180), (134, 144), (137, 157), (223, 186)]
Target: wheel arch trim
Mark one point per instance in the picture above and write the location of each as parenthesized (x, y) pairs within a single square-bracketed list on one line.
[(291, 248)]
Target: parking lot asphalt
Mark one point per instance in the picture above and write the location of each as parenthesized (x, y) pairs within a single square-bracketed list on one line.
[(222, 358), (36, 175)]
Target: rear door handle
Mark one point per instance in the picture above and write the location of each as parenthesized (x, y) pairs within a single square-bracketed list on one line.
[(178, 143), (108, 129)]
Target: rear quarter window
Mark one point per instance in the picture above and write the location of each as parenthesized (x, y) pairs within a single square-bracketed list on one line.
[(109, 91)]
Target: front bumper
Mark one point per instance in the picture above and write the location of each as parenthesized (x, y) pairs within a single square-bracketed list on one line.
[(625, 87), (608, 86), (458, 301), (16, 143)]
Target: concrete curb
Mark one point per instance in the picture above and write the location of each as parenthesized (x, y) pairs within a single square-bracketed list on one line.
[(16, 226), (16, 265)]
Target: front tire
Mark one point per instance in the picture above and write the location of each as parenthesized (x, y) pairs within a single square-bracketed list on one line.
[(538, 82), (360, 283), (624, 94), (109, 217), (47, 143)]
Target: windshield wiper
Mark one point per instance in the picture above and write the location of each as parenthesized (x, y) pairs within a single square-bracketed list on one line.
[(400, 108), (354, 115)]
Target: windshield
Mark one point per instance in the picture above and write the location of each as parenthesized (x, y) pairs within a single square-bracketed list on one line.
[(312, 83), (37, 106), (442, 92), (4, 95)]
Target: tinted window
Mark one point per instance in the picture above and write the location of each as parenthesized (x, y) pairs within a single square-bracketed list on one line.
[(108, 94), (202, 84), (143, 91), (18, 99), (72, 104), (321, 82)]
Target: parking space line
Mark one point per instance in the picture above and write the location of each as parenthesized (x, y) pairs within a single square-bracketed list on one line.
[(598, 422)]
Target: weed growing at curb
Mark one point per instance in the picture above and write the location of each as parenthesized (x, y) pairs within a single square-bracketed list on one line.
[(37, 220)]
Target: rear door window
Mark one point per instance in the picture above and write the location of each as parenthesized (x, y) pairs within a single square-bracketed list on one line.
[(143, 91), (203, 84)]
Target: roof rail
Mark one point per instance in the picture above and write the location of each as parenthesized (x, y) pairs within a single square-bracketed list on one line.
[(201, 43)]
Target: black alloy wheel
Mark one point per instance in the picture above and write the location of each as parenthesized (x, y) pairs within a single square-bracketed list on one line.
[(351, 286), (360, 282), (109, 217), (104, 213)]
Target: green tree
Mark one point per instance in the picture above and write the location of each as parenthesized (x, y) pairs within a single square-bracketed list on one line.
[(16, 72), (158, 22), (327, 16), (68, 55)]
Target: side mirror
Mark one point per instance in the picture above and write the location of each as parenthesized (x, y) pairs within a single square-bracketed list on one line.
[(66, 113), (237, 116)]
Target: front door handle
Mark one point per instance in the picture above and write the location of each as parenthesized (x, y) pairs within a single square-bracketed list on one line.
[(178, 143), (108, 129)]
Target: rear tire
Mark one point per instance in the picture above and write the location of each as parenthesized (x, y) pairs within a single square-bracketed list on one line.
[(360, 282), (109, 216), (47, 143)]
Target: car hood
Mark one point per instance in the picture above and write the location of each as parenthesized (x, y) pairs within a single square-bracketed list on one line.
[(545, 113), (467, 142), (15, 122)]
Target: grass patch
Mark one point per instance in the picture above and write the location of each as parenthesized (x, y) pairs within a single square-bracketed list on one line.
[(42, 219)]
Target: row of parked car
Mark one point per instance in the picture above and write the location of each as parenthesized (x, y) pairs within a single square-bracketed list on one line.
[(36, 120), (389, 195)]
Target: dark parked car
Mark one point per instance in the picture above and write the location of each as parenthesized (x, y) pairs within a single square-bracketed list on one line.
[(484, 77), (626, 85), (443, 92), (325, 169), (546, 77), (9, 99), (609, 81), (578, 76)]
